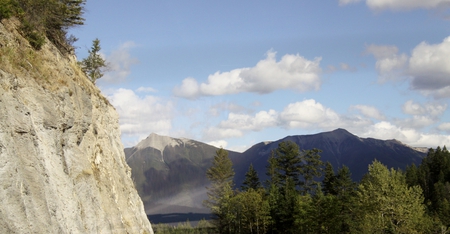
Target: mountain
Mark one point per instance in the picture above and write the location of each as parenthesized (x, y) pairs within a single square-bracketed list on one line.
[(169, 173), (62, 165), (339, 147)]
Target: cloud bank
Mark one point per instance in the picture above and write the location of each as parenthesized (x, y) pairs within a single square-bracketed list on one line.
[(367, 122)]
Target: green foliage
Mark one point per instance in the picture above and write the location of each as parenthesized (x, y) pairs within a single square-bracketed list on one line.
[(251, 212), (45, 18), (251, 180), (203, 227), (310, 169), (293, 201), (387, 204), (433, 176), (220, 193), (8, 8), (94, 64)]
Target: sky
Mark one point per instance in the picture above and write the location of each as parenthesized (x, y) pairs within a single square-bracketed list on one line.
[(236, 73)]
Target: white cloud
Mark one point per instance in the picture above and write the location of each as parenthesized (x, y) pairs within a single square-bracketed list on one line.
[(369, 111), (431, 109), (312, 115), (444, 127), (386, 130), (189, 89), (390, 65), (291, 72), (119, 64), (429, 66), (416, 122), (346, 2), (427, 69), (398, 5), (140, 116), (146, 90), (259, 121), (406, 4), (218, 144), (308, 113), (424, 115)]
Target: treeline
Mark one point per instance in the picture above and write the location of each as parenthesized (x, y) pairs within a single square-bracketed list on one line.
[(45, 18), (305, 195)]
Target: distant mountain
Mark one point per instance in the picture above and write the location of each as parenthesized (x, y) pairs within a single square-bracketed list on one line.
[(169, 173), (339, 147)]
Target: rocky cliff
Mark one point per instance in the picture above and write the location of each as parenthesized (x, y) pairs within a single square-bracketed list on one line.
[(62, 166)]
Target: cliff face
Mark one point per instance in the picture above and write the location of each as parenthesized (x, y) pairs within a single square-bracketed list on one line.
[(62, 166)]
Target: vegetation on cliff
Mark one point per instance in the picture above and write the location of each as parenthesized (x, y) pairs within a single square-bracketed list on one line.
[(45, 18)]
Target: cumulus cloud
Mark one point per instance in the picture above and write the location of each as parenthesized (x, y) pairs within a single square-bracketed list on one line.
[(312, 115), (306, 114), (369, 111), (433, 109), (291, 72), (259, 121), (390, 65), (427, 69), (385, 130), (141, 115), (430, 66), (398, 5), (423, 115), (119, 64)]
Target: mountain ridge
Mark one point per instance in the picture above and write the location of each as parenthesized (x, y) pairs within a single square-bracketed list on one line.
[(182, 159)]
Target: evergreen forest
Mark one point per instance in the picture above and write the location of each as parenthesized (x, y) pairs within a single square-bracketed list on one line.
[(305, 195)]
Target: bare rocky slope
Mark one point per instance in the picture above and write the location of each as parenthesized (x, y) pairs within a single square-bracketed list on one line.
[(62, 165)]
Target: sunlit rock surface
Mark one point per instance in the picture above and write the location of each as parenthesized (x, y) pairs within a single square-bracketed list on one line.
[(62, 165)]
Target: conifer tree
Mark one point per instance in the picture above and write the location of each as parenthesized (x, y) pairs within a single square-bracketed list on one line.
[(251, 180), (310, 169), (220, 192), (94, 64)]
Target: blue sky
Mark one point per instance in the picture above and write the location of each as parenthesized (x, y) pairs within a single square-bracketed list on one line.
[(236, 73)]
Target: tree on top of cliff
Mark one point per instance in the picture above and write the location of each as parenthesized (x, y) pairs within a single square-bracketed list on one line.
[(94, 64), (45, 18)]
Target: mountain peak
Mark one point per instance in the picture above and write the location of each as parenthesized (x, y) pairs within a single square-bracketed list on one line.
[(158, 142)]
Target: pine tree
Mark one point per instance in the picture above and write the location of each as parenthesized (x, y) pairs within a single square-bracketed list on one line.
[(329, 179), (251, 180), (288, 163), (220, 193), (310, 169), (94, 64)]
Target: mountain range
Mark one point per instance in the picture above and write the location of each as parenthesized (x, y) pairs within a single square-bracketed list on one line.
[(169, 173)]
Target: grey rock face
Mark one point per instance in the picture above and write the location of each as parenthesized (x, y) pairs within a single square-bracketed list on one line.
[(62, 165)]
